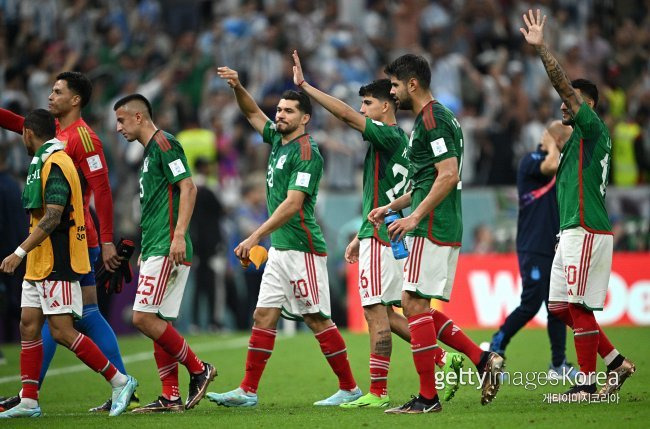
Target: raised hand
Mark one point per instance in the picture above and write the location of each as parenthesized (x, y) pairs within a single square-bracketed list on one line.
[(231, 76), (534, 34), (298, 76)]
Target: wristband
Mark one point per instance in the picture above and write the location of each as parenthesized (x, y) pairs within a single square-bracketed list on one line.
[(20, 252), (301, 82)]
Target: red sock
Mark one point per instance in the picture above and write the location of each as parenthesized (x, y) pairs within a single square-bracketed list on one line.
[(167, 371), (561, 311), (379, 374), (89, 353), (174, 344), (454, 337), (31, 360), (333, 347), (260, 348), (585, 333), (423, 346), (441, 357)]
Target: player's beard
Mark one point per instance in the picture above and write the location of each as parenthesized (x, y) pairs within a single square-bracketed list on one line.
[(405, 104), (287, 128)]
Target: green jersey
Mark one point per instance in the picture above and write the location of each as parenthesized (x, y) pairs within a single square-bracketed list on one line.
[(295, 166), (164, 164), (385, 172), (583, 174), (436, 136)]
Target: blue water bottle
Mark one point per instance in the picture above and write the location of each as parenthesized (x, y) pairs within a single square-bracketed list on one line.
[(400, 251)]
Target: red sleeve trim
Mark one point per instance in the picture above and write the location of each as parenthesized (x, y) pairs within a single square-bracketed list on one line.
[(305, 148), (428, 117), (162, 141)]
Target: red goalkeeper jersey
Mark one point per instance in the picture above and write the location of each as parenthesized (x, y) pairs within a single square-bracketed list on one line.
[(85, 149)]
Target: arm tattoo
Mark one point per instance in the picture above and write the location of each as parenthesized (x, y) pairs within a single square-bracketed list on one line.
[(559, 79), (51, 220)]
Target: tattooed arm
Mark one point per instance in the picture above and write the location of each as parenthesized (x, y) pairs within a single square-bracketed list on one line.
[(534, 35)]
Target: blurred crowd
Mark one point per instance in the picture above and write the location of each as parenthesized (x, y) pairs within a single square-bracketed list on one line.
[(168, 50)]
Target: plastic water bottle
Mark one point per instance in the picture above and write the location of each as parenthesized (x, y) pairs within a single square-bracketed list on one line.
[(400, 251)]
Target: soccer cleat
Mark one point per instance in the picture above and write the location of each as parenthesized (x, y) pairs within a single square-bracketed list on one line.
[(234, 398), (369, 400), (340, 397), (565, 371), (417, 405), (578, 393), (9, 403), (491, 377), (20, 411), (454, 363), (134, 402), (199, 385), (617, 376), (162, 405), (122, 397)]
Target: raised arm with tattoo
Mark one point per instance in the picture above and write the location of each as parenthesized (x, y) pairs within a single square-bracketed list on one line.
[(534, 35)]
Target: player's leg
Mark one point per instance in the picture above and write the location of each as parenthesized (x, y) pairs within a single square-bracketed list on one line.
[(92, 322), (417, 290), (158, 299), (61, 302), (170, 400), (31, 353), (556, 328), (532, 297), (376, 284), (308, 296), (262, 341)]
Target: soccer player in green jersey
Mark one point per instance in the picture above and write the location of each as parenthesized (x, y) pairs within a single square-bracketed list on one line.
[(385, 174), (295, 283), (434, 228), (167, 195), (583, 260)]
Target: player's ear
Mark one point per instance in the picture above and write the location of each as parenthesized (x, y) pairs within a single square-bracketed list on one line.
[(76, 100), (412, 84), (305, 119)]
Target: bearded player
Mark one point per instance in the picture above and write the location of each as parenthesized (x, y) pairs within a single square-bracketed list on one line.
[(295, 282), (435, 230), (583, 260)]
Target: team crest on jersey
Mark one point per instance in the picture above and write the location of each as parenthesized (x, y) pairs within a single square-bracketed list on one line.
[(281, 161), (145, 166)]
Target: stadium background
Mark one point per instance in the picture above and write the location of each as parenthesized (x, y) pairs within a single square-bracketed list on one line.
[(168, 50)]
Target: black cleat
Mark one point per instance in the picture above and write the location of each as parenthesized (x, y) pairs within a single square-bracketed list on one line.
[(161, 405), (199, 385), (134, 402), (9, 403), (418, 405), (578, 393)]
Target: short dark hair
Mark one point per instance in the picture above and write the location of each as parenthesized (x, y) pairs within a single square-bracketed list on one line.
[(132, 97), (304, 103), (587, 88), (42, 123), (379, 89), (79, 84), (410, 66)]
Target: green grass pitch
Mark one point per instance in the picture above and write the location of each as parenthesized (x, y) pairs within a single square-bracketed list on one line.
[(297, 375)]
